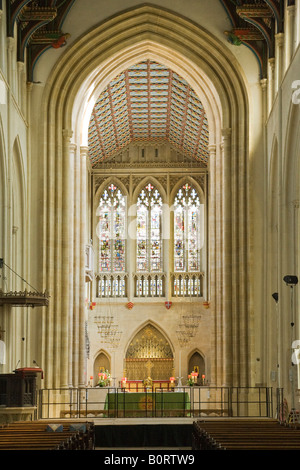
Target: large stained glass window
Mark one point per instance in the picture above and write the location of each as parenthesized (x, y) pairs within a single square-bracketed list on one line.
[(112, 230), (149, 239), (187, 230)]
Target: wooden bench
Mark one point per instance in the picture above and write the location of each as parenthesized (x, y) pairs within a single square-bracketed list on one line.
[(41, 435), (244, 435)]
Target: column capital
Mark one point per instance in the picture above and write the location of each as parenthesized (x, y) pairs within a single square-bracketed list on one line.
[(10, 43), (291, 10), (84, 150), (279, 39), (264, 83), (226, 132), (29, 86), (67, 134), (272, 62)]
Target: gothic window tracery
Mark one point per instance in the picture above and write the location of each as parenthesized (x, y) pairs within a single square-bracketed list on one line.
[(149, 280), (188, 227), (111, 231), (150, 276), (149, 243)]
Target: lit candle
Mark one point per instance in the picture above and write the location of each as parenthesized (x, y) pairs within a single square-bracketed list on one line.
[(194, 376)]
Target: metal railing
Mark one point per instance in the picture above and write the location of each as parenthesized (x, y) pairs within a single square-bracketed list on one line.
[(189, 402)]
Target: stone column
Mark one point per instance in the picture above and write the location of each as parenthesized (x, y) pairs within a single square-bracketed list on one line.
[(76, 227), (65, 257), (290, 35), (72, 157), (279, 64), (21, 87), (297, 23), (214, 256), (227, 260), (10, 77), (263, 363), (82, 379), (271, 83)]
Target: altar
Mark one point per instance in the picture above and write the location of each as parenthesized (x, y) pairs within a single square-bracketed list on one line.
[(147, 404)]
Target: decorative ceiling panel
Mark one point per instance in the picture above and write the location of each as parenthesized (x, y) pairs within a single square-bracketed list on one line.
[(148, 103)]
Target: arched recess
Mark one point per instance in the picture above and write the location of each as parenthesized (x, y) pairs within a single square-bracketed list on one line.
[(75, 83), (149, 354), (196, 362), (102, 362)]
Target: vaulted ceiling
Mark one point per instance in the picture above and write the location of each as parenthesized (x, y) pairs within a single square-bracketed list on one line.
[(148, 103)]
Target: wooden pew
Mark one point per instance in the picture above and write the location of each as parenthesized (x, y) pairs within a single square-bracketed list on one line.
[(35, 435), (244, 435)]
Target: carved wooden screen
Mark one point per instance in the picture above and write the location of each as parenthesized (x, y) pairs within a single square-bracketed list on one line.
[(149, 355)]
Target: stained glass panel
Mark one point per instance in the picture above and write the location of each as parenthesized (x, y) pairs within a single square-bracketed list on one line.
[(149, 244), (111, 230), (187, 227)]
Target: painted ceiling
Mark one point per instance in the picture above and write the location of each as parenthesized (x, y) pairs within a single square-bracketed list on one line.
[(148, 103)]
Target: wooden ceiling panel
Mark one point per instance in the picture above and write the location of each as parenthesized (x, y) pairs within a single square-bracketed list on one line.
[(148, 103)]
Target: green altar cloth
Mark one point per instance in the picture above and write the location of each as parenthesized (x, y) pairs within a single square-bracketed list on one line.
[(147, 404)]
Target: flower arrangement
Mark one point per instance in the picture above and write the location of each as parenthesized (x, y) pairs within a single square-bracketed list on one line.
[(104, 379), (192, 379)]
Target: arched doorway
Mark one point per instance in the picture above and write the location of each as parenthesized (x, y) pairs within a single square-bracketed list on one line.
[(149, 354)]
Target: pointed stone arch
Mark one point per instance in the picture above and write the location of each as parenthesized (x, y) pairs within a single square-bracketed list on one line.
[(141, 184), (79, 76), (111, 179), (149, 354), (192, 181), (102, 360)]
